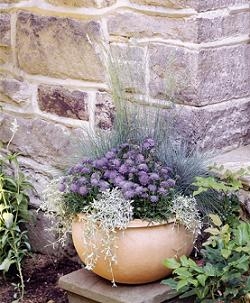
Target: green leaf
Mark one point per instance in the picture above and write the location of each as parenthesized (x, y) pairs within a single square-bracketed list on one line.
[(171, 263), (202, 279), (184, 261), (5, 265), (216, 220), (183, 272), (181, 284), (209, 270), (8, 219), (225, 253), (170, 282), (242, 233), (212, 231)]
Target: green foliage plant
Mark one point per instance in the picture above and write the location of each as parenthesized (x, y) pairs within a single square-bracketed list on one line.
[(14, 244), (224, 277), (217, 192)]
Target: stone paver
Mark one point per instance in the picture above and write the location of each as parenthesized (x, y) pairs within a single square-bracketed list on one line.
[(236, 159), (84, 286)]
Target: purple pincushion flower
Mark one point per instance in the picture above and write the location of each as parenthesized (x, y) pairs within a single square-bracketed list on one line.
[(110, 155), (144, 179), (85, 170), (162, 191), (152, 188), (83, 190), (129, 194), (103, 185), (143, 167), (74, 187), (154, 199), (123, 169), (61, 187), (149, 143), (154, 177)]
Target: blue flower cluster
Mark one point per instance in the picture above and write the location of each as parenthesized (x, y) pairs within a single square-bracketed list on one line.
[(134, 169)]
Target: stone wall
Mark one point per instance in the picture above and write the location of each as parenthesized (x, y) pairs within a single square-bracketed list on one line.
[(54, 81)]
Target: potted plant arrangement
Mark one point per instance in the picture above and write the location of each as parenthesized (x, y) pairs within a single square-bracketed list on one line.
[(128, 200), (129, 210)]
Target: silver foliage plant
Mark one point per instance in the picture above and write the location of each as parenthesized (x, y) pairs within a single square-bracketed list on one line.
[(106, 215), (184, 210)]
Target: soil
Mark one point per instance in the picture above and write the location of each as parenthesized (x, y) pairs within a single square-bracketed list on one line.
[(41, 274)]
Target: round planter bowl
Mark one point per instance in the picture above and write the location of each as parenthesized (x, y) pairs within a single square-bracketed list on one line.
[(141, 250)]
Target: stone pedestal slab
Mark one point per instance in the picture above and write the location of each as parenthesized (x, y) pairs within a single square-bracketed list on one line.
[(84, 286)]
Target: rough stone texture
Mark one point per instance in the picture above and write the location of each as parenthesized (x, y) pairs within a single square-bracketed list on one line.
[(200, 77), (235, 160), (91, 288), (223, 73), (223, 26), (63, 102), (16, 91), (214, 127), (5, 29), (5, 54), (104, 111), (199, 5), (83, 3), (43, 141), (128, 67), (173, 73), (58, 47), (43, 240), (244, 197), (131, 24)]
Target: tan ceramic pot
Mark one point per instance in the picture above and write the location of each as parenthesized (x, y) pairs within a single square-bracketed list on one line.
[(141, 249)]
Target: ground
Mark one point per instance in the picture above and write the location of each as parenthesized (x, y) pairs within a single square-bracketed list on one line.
[(41, 273)]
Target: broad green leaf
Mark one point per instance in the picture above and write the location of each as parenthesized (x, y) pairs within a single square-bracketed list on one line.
[(5, 265), (242, 233), (181, 284), (209, 270), (170, 282), (216, 220), (225, 253), (212, 231), (8, 219), (171, 263), (184, 261), (202, 279), (183, 272)]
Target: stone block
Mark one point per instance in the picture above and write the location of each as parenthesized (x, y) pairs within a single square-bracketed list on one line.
[(43, 141), (199, 5), (15, 91), (83, 3), (43, 239), (85, 286), (214, 127), (223, 73), (199, 77), (127, 67), (223, 26), (131, 24), (5, 39), (104, 111), (45, 44), (173, 73), (63, 102)]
